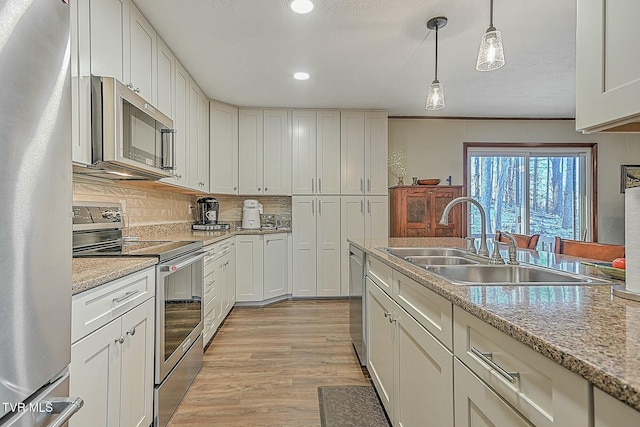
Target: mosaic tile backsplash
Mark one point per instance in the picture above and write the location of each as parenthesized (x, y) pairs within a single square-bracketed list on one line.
[(150, 206)]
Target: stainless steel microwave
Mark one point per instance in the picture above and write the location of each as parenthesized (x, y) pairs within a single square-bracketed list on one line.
[(131, 139)]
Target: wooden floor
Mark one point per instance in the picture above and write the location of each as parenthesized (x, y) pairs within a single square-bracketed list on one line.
[(264, 366)]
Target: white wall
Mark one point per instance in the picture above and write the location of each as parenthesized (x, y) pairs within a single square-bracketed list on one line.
[(433, 148)]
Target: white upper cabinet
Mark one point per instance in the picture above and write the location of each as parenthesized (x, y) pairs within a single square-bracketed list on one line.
[(203, 141), (142, 51), (607, 66), (181, 125), (352, 139), (166, 73), (224, 148), (104, 25), (264, 152), (198, 139), (316, 152), (376, 136)]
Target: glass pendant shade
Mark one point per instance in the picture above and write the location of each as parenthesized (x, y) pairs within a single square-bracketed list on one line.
[(491, 53), (435, 96)]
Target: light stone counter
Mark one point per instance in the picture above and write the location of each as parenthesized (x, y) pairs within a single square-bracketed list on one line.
[(88, 273), (583, 328)]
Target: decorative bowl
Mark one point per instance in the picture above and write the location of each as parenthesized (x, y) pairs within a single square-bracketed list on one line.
[(428, 181)]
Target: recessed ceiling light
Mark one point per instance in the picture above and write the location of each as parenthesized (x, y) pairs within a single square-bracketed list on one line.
[(301, 6), (300, 75)]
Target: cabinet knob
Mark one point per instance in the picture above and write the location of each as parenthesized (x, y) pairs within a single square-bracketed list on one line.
[(130, 86), (265, 189), (137, 90), (131, 331), (235, 188), (120, 339), (259, 188)]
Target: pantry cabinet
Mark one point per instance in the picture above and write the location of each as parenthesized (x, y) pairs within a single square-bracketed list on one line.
[(264, 152), (364, 145), (316, 246), (224, 148), (416, 211), (113, 331), (607, 66), (316, 152)]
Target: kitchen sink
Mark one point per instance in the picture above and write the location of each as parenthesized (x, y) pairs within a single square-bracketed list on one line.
[(416, 252), (523, 275), (425, 261)]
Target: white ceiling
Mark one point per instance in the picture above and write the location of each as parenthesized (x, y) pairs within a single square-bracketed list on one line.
[(375, 54)]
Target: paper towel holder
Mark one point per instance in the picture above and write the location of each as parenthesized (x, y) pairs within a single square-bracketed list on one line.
[(622, 292)]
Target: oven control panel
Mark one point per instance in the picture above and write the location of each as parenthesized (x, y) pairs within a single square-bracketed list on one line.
[(97, 215)]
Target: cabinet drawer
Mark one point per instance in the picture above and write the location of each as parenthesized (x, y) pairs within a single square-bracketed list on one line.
[(541, 390), (209, 322), (98, 306), (209, 285), (433, 312), (380, 273)]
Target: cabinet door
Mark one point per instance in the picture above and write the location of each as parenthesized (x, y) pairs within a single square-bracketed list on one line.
[(440, 198), (194, 104), (275, 265), (250, 124), (166, 71), (421, 360), (375, 152), (610, 412), (476, 405), (224, 148), (181, 121), (303, 166), (328, 152), (352, 152), (376, 218), (416, 213), (351, 227), (142, 55), (203, 142), (277, 153), (95, 375), (249, 267), (303, 213), (607, 63), (109, 29), (381, 344), (329, 244), (232, 275), (136, 402)]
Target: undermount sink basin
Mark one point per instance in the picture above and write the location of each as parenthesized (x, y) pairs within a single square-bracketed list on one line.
[(425, 261), (410, 252), (510, 275)]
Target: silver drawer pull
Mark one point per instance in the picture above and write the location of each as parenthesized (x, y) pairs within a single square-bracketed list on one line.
[(487, 357), (125, 296), (65, 408)]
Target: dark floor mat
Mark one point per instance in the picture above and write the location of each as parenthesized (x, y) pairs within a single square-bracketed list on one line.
[(350, 406)]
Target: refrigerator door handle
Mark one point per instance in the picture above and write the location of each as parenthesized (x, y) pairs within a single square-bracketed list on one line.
[(65, 408)]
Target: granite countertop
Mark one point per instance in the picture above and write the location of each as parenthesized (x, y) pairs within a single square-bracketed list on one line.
[(583, 328), (88, 273)]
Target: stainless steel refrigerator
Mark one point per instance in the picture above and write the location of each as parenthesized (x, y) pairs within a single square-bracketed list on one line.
[(35, 213)]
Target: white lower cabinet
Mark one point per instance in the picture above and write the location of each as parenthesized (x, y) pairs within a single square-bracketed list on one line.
[(262, 264), (412, 371), (112, 365), (610, 412), (316, 246), (219, 286)]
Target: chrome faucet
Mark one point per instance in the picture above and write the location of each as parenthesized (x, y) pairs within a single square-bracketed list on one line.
[(484, 250), (513, 248)]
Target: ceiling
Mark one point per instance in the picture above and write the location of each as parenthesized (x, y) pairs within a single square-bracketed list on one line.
[(375, 54)]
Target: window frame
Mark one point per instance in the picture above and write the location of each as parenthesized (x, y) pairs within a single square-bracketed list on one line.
[(550, 147)]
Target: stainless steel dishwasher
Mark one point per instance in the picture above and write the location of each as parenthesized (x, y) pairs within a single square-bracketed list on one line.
[(357, 301)]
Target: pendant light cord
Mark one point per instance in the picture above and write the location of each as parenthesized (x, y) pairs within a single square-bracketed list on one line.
[(491, 14), (436, 73)]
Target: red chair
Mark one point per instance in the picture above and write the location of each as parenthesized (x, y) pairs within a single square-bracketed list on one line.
[(522, 240), (592, 250)]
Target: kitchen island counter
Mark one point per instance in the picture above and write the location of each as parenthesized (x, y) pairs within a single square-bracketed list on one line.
[(583, 328)]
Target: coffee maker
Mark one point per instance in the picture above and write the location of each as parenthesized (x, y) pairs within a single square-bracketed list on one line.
[(207, 212)]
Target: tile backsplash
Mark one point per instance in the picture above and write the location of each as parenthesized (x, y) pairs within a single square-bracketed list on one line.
[(150, 206)]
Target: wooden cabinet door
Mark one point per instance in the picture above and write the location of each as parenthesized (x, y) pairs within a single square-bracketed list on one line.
[(421, 360), (95, 375), (381, 344), (440, 197), (418, 213), (138, 330), (304, 152), (143, 55), (328, 240), (223, 121)]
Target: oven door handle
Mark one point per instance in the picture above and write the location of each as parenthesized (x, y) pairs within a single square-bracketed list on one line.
[(172, 268)]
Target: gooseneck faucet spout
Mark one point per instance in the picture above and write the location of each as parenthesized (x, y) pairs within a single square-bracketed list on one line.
[(484, 250)]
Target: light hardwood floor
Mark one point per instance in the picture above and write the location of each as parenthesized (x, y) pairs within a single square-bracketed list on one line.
[(264, 366)]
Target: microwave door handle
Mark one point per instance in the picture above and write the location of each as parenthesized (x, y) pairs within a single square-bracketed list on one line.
[(168, 137)]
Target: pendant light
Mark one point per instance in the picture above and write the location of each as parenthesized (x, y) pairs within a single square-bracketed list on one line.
[(435, 96), (491, 53)]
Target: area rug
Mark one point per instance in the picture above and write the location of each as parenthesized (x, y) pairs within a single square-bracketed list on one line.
[(350, 406)]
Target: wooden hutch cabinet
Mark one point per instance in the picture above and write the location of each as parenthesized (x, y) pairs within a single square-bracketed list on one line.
[(415, 211)]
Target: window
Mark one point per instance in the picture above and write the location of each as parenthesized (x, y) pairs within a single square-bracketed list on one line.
[(546, 190)]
